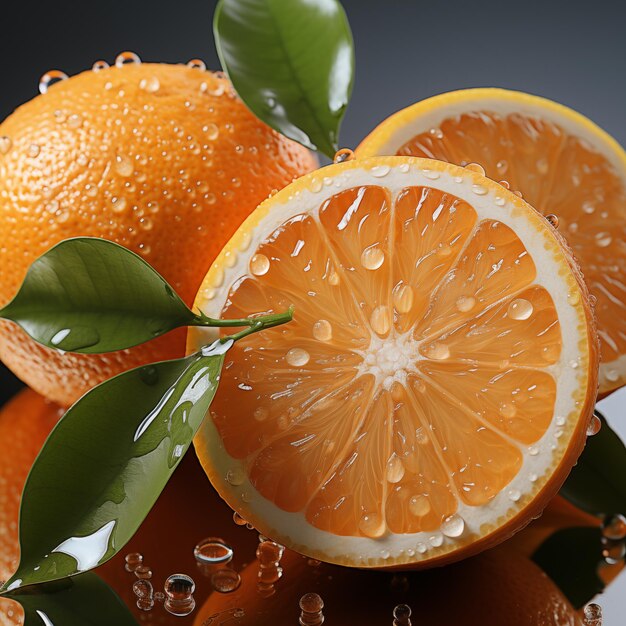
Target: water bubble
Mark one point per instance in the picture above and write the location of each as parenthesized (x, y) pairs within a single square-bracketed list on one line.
[(520, 309), (380, 319), (372, 525), (453, 526), (380, 171), (127, 58), (475, 167), (372, 258), (133, 561), (395, 469), (259, 264), (419, 505), (225, 580), (51, 78), (196, 64), (323, 330), (98, 66), (150, 85), (403, 298), (553, 220), (465, 303), (297, 357), (437, 351), (179, 589), (33, 150), (311, 610), (594, 425), (143, 572), (402, 615), (592, 615), (345, 154), (144, 592), (213, 550), (614, 527), (5, 144)]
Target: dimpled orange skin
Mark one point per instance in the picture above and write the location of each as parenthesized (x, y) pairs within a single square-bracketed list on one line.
[(25, 423), (163, 159)]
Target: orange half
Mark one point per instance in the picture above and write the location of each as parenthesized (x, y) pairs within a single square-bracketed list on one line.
[(562, 163), (436, 383)]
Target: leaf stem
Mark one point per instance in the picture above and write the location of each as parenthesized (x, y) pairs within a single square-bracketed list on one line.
[(255, 324)]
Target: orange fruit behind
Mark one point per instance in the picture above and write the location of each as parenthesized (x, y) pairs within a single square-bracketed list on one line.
[(162, 159), (25, 423)]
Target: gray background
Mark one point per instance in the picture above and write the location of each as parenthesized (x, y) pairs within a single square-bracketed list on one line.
[(573, 52)]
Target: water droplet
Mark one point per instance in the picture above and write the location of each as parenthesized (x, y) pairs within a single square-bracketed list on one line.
[(5, 144), (259, 264), (380, 320), (33, 150), (311, 607), (437, 133), (225, 580), (333, 278), (542, 166), (613, 551), (150, 85), (553, 220), (603, 240), (453, 526), (431, 174), (594, 425), (475, 167), (403, 298), (612, 375), (124, 165), (196, 64), (297, 357), (402, 615), (507, 410), (74, 120), (119, 204), (520, 309), (75, 338), (238, 519), (372, 258), (395, 469), (144, 593), (436, 540), (98, 66), (143, 572), (345, 154), (51, 78), (372, 525), (213, 550), (479, 190), (179, 589), (316, 185), (573, 297), (380, 171), (500, 201), (533, 450), (127, 58), (437, 351), (593, 615), (419, 505), (133, 561), (261, 413), (514, 495), (614, 527), (323, 330), (502, 166), (465, 303)]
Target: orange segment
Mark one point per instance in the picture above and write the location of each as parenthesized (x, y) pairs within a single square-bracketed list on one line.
[(395, 420), (561, 162)]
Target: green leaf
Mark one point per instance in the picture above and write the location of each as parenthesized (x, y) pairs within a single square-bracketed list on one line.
[(106, 462), (597, 482), (90, 295), (292, 63), (85, 600), (571, 558)]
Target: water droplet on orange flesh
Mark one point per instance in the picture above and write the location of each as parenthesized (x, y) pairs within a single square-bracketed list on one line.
[(396, 413)]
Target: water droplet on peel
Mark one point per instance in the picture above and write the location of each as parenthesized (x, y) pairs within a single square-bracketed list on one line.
[(402, 298), (119, 204), (500, 201), (5, 144), (380, 171), (520, 309), (436, 540), (345, 154), (127, 58), (514, 495), (431, 174), (475, 167), (437, 351), (603, 240), (614, 527), (51, 78), (453, 526), (322, 330), (419, 505), (259, 264), (124, 165), (479, 190), (465, 303), (380, 320), (196, 64), (33, 150), (372, 525), (297, 357), (213, 550), (98, 66), (372, 258), (553, 220), (212, 131), (225, 580), (594, 425), (150, 85), (395, 469)]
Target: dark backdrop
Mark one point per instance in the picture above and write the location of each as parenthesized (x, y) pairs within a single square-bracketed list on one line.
[(573, 52)]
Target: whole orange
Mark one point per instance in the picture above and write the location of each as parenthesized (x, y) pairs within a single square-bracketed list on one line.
[(163, 159)]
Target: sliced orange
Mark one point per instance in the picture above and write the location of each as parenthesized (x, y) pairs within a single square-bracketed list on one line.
[(561, 162), (436, 384)]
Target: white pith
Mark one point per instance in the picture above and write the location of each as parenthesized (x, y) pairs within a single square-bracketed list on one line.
[(430, 113), (571, 372)]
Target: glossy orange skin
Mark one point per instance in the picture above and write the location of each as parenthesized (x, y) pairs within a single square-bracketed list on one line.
[(162, 159)]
